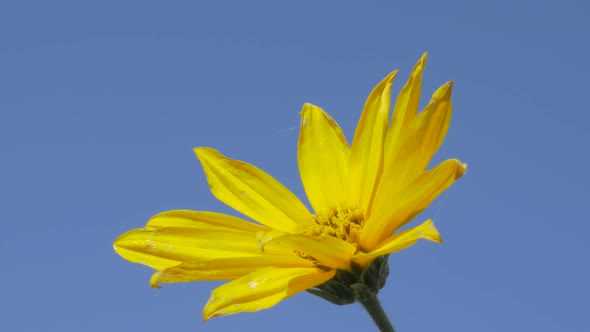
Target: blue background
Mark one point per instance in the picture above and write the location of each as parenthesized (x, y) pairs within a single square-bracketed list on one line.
[(102, 102)]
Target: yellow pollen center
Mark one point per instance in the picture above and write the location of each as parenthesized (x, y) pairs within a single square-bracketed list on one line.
[(342, 222)]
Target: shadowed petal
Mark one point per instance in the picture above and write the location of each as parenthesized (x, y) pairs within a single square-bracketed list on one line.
[(225, 268), (323, 159), (262, 289), (252, 192), (400, 241), (407, 203), (327, 250), (366, 156)]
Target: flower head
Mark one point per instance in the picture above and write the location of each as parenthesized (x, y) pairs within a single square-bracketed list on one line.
[(361, 196)]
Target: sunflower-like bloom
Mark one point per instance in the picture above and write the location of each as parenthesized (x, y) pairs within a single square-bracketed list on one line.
[(361, 195)]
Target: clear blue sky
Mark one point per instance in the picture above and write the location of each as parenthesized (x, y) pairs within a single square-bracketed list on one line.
[(101, 104)]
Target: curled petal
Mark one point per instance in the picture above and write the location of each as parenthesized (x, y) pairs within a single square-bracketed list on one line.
[(409, 202), (262, 289), (400, 241)]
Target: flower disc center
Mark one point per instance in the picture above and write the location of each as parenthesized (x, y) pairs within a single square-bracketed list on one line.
[(343, 222)]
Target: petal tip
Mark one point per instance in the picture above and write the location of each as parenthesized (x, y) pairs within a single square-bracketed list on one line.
[(458, 167), (206, 316), (419, 67), (308, 107), (423, 58), (433, 234), (389, 78), (209, 311), (444, 92), (202, 151), (304, 114), (462, 170), (154, 280)]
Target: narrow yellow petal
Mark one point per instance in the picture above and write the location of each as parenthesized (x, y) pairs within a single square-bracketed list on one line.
[(366, 156), (431, 125), (175, 237), (409, 202), (327, 250), (252, 192), (406, 107), (201, 219), (225, 268), (262, 289), (423, 137), (399, 241), (323, 159)]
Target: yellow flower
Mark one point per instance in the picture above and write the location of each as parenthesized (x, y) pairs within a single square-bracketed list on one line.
[(361, 195)]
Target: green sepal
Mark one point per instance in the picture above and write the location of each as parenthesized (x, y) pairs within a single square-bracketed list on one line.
[(347, 286), (375, 276), (328, 296), (383, 271)]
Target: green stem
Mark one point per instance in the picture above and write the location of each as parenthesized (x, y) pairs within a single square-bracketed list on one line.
[(372, 305)]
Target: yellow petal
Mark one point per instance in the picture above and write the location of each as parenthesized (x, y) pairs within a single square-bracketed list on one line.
[(406, 107), (328, 251), (201, 219), (265, 237), (252, 192), (400, 241), (429, 128), (180, 236), (323, 159), (262, 289), (423, 138), (225, 268), (409, 202), (367, 146)]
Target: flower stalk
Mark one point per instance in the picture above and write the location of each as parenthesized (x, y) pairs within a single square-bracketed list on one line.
[(359, 286), (370, 302)]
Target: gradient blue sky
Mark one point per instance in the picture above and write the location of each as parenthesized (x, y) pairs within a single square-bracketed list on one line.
[(101, 104)]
